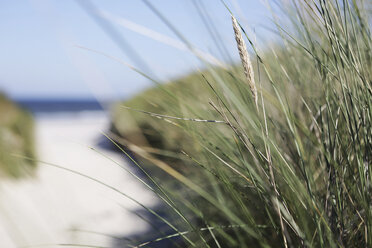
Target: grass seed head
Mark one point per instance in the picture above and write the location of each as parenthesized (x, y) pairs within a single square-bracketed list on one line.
[(244, 57)]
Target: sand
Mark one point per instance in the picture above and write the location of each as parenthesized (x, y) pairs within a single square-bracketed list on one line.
[(57, 206)]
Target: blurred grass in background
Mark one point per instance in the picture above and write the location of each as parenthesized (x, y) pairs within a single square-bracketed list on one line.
[(16, 138), (296, 172)]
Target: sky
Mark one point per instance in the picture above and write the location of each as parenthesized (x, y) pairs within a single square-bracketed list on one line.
[(74, 48)]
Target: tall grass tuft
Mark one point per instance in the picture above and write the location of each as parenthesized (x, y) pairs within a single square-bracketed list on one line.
[(16, 138), (296, 173)]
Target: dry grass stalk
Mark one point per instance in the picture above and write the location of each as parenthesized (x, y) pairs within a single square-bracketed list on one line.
[(244, 57)]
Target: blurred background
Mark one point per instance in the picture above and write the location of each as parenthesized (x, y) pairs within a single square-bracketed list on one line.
[(63, 63)]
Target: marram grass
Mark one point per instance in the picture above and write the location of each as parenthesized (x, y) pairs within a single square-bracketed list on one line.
[(296, 173), (16, 138)]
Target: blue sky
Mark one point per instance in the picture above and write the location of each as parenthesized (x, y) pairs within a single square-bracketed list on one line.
[(39, 39)]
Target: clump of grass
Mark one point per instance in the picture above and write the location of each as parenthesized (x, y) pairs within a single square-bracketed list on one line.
[(16, 138), (296, 173)]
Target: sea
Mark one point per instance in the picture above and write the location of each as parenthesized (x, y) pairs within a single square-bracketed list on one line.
[(45, 107)]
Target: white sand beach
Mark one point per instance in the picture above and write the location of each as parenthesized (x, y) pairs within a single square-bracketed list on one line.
[(57, 206)]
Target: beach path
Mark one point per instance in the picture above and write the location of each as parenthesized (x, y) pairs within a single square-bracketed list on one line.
[(57, 206)]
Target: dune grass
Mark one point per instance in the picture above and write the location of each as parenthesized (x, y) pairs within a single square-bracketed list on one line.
[(293, 170), (16, 138)]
